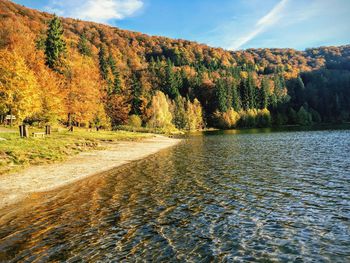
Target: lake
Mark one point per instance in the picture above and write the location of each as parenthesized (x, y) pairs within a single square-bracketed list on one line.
[(226, 196)]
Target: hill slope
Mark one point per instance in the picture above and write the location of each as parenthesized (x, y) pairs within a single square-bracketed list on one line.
[(107, 74)]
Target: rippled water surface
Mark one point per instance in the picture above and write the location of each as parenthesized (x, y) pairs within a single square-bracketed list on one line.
[(222, 197)]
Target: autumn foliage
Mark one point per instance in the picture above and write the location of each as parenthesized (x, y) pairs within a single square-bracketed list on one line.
[(56, 70), (19, 89)]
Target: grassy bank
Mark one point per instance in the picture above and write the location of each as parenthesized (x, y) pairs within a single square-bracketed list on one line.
[(165, 131), (16, 153)]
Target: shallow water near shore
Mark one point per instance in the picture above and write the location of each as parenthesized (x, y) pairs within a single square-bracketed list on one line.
[(220, 196)]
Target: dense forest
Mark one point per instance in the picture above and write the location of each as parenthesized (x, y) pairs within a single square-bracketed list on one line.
[(61, 70)]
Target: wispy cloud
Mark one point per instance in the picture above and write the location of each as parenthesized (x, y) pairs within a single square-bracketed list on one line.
[(271, 18), (95, 10)]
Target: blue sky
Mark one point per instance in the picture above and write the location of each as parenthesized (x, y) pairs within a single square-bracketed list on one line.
[(231, 24)]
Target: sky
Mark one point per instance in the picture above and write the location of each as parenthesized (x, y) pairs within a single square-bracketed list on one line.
[(230, 24)]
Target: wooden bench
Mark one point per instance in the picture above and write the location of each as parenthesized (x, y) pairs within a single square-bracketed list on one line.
[(39, 134)]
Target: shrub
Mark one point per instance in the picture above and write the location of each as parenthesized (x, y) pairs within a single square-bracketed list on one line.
[(135, 121), (263, 118), (248, 118), (315, 116), (304, 117), (226, 120)]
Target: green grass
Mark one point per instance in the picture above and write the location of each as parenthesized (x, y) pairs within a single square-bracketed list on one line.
[(16, 153)]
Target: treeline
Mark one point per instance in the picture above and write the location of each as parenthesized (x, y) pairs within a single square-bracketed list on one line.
[(87, 74)]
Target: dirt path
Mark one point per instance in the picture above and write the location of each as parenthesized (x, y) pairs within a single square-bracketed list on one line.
[(15, 187)]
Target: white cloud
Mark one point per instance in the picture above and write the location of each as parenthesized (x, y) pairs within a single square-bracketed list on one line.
[(95, 10), (271, 18)]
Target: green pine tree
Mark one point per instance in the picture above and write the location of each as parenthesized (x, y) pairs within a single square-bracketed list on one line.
[(136, 95), (55, 46), (251, 89), (264, 95), (299, 90), (115, 83), (304, 117), (172, 81), (103, 63), (111, 63), (221, 95), (236, 102), (244, 92), (229, 94), (83, 46)]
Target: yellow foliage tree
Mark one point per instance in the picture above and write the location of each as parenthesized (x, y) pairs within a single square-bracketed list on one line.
[(194, 116), (159, 112), (19, 92), (51, 96)]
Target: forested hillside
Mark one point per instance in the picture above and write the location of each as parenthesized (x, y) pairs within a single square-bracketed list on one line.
[(60, 70)]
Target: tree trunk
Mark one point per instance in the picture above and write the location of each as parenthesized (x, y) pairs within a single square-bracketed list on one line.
[(11, 118), (25, 131), (21, 132), (69, 121), (47, 129)]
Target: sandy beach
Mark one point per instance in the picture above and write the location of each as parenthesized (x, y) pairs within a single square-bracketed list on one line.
[(15, 187)]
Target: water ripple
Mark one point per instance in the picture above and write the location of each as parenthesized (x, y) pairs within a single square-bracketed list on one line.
[(267, 197)]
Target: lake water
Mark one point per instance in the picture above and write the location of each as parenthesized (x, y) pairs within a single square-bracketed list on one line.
[(217, 197)]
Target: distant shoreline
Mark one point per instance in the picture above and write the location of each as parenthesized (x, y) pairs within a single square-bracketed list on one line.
[(16, 187)]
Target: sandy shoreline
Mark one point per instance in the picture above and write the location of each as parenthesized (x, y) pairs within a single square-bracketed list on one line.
[(15, 187)]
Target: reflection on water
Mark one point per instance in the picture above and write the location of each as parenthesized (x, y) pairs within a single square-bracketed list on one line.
[(219, 197)]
